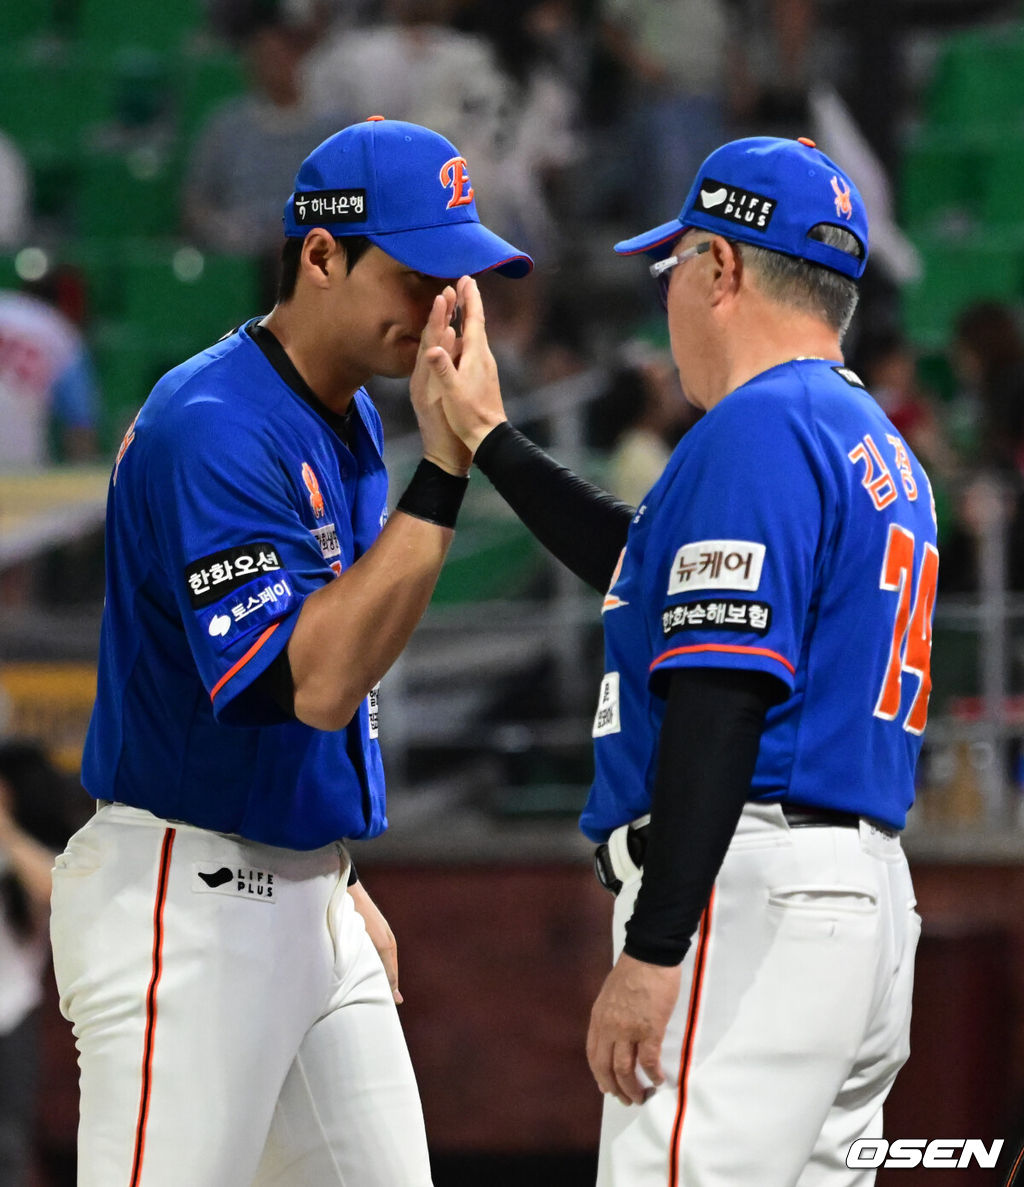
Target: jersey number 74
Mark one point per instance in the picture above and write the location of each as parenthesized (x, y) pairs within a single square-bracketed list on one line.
[(911, 646)]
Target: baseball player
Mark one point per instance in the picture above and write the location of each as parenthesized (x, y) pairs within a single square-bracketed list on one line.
[(767, 621), (226, 974)]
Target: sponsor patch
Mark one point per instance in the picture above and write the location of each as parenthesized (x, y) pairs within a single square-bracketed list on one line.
[(330, 206), (213, 576), (327, 538), (716, 564), (253, 606), (237, 881), (372, 705), (606, 720), (717, 614), (729, 202)]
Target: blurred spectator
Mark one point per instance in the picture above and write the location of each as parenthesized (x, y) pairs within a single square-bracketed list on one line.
[(988, 426), (48, 394), (242, 165), (682, 70), (988, 357), (639, 420), (543, 50), (887, 363), (14, 194), (35, 822), (416, 67)]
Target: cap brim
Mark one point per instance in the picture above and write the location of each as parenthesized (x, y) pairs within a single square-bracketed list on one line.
[(453, 250), (655, 242)]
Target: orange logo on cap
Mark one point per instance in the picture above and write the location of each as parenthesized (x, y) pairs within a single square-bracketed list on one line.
[(316, 499), (843, 204), (453, 174)]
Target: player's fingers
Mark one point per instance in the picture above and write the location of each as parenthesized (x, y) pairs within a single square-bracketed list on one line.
[(649, 1058), (473, 320), (440, 362), (627, 1087), (437, 321), (599, 1055)]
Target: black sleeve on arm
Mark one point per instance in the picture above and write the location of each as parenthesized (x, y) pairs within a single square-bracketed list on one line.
[(276, 684), (706, 757), (580, 524)]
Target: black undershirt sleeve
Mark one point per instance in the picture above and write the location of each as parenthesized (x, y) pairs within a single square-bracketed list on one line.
[(276, 684), (706, 756), (581, 525)]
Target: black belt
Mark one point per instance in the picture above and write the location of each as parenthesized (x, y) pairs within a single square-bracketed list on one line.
[(796, 817)]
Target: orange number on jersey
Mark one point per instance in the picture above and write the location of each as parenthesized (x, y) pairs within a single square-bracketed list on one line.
[(911, 647)]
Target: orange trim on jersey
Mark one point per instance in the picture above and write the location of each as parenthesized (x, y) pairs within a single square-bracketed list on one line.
[(245, 659), (158, 961), (1013, 1171), (686, 1056), (730, 647)]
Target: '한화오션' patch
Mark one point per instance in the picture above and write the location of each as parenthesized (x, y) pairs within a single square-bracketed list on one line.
[(212, 577)]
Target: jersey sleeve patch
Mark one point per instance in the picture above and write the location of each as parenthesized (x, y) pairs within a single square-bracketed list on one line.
[(249, 608), (721, 614), (607, 719), (716, 564), (211, 577)]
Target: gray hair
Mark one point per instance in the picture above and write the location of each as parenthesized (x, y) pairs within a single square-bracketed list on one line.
[(807, 286)]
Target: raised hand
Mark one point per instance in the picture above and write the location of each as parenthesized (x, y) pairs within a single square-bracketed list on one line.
[(441, 445), (467, 383)]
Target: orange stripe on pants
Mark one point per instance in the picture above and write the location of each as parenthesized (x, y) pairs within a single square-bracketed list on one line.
[(147, 1054), (686, 1056)]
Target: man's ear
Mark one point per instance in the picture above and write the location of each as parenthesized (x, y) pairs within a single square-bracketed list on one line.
[(320, 252), (728, 268)]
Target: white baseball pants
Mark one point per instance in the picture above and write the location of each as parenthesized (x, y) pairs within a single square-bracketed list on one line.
[(793, 1016), (234, 1023)]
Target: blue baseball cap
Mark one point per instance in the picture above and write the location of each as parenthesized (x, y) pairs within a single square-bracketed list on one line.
[(405, 188), (770, 192)]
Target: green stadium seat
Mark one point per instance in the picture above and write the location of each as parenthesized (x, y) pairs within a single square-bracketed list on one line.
[(1002, 185), (97, 263), (181, 294), (127, 363), (202, 82), (940, 180), (492, 558), (978, 81), (957, 273), (27, 18), (157, 24), (129, 194), (48, 100)]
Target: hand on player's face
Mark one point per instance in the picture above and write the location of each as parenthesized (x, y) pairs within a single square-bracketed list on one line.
[(627, 1027), (440, 444), (468, 381)]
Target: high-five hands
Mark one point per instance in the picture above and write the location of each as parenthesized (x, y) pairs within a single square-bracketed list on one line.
[(467, 382), (440, 444)]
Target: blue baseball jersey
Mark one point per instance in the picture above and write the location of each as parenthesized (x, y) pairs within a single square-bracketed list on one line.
[(792, 532), (233, 497)]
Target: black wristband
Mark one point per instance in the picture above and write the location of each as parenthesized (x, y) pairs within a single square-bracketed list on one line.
[(653, 951), (433, 495), (353, 873)]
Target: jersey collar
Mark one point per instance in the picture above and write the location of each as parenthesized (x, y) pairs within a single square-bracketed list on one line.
[(343, 426)]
